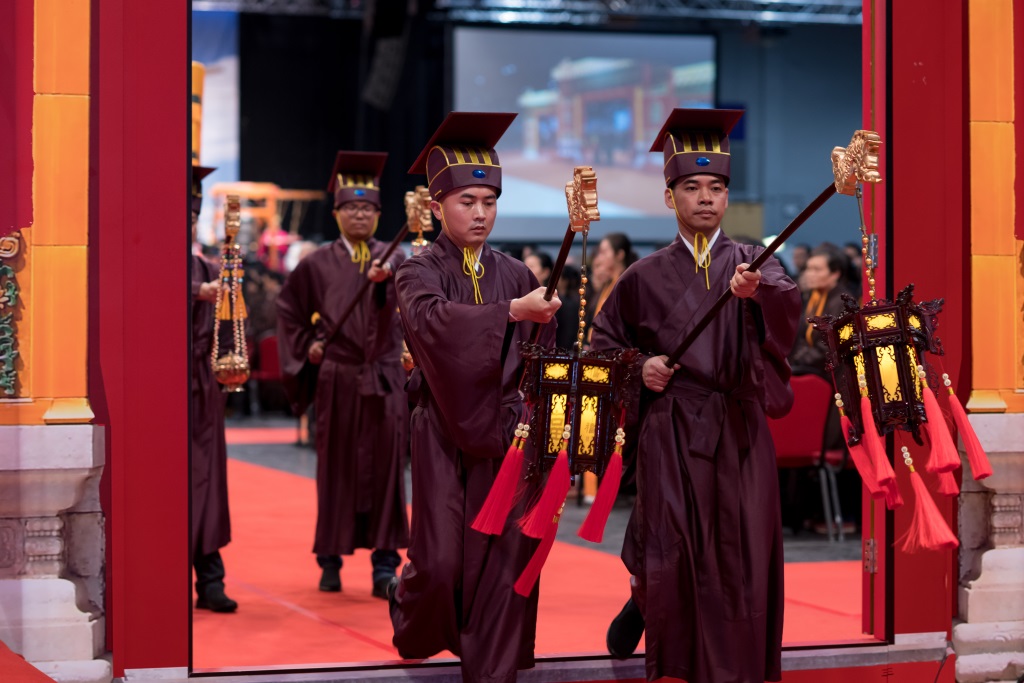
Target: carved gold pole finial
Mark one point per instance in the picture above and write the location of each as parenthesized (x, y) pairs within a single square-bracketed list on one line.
[(857, 162), (418, 216), (581, 197)]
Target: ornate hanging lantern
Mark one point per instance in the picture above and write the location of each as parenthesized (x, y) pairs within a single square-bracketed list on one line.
[(576, 403), (231, 365), (877, 357), (882, 345)]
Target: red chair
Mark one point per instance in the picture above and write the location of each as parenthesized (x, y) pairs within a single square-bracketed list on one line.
[(267, 369), (799, 439)]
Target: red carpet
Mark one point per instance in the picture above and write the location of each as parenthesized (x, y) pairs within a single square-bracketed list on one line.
[(249, 435), (14, 669), (284, 620)]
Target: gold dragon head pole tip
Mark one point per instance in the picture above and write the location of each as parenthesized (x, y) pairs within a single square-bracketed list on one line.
[(581, 198), (857, 162), (232, 216)]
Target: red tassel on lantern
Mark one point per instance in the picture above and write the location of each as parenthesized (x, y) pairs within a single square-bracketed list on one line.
[(928, 530), (861, 460), (948, 485), (494, 513), (980, 466), (526, 581), (535, 523), (592, 528), (876, 450), (893, 499), (943, 456)]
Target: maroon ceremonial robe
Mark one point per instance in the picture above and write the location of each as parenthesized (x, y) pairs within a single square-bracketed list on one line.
[(211, 524), (361, 412), (456, 591), (705, 541)]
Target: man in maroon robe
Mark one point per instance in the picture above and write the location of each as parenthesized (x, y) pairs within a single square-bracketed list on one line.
[(704, 544), (361, 412), (211, 523), (465, 308)]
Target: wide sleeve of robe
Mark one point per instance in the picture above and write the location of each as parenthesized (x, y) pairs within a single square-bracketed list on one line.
[(776, 315), (296, 333), (458, 348)]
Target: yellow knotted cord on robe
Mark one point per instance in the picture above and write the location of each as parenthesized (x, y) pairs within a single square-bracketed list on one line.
[(470, 263), (469, 267), (360, 252), (704, 259), (815, 305)]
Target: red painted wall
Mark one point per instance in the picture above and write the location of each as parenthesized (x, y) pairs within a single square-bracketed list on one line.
[(16, 34), (139, 319), (875, 101)]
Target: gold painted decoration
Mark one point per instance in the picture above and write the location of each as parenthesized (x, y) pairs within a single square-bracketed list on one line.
[(596, 373), (588, 424), (556, 421), (882, 321), (556, 371)]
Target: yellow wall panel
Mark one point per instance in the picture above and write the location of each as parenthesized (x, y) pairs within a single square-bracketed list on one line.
[(62, 47), (60, 309), (60, 149), (993, 327), (990, 26), (992, 197)]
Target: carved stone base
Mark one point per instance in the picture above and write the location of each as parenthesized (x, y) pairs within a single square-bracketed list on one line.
[(95, 671), (989, 652), (43, 623), (52, 549), (990, 644)]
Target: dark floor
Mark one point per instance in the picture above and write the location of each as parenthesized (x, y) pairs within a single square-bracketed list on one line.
[(806, 546)]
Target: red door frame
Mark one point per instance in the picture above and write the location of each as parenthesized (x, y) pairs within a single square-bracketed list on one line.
[(139, 320), (138, 293)]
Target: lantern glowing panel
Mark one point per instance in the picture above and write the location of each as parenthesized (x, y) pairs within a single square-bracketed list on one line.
[(884, 342)]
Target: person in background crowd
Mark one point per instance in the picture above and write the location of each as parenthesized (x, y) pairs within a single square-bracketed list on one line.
[(540, 264)]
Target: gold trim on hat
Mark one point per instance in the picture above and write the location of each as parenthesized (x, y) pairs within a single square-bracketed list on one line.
[(356, 181), (461, 154), (724, 154)]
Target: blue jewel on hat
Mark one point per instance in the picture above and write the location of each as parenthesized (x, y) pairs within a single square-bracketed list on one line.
[(360, 193), (703, 161), (479, 173)]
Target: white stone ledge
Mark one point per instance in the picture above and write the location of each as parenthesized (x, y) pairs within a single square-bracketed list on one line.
[(93, 671), (51, 447), (985, 638), (999, 666), (998, 432), (927, 647)]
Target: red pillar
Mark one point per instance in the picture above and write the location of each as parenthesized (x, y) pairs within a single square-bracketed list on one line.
[(929, 243), (139, 320)]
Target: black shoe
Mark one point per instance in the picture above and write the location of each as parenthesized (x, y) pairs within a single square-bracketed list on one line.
[(330, 580), (216, 601), (380, 587), (625, 631), (391, 591)]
